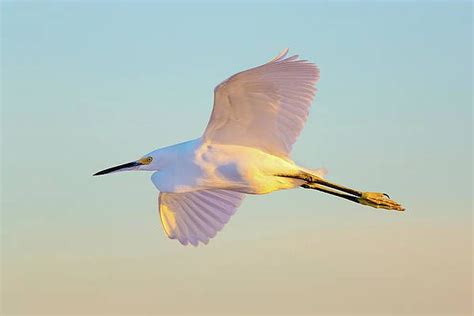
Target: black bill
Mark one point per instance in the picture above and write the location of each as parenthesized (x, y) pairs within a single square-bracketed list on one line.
[(116, 168)]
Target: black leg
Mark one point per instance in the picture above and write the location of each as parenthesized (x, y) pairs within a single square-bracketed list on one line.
[(318, 187)]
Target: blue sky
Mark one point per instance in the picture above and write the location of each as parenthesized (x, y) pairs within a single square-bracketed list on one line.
[(86, 85)]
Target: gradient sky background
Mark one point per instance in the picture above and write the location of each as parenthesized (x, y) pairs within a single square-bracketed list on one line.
[(87, 85)]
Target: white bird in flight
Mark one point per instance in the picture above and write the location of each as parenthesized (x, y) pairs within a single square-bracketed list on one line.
[(257, 116)]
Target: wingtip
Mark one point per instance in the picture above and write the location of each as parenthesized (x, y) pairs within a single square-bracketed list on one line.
[(281, 55)]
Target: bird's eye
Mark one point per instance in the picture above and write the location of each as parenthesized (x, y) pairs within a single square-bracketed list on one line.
[(145, 160)]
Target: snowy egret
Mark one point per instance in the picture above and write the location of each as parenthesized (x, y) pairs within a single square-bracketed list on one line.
[(257, 116)]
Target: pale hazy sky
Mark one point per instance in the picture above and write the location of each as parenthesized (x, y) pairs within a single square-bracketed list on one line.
[(86, 85)]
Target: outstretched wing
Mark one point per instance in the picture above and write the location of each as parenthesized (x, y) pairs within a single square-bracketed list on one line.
[(197, 216), (264, 107)]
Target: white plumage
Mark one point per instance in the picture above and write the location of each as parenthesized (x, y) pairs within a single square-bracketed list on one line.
[(197, 216), (257, 116), (265, 107)]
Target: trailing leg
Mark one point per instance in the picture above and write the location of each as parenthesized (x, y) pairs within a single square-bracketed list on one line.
[(373, 199)]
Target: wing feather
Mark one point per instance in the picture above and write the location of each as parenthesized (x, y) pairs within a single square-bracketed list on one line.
[(197, 216), (264, 107)]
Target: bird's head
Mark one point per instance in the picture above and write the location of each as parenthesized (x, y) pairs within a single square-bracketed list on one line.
[(145, 163)]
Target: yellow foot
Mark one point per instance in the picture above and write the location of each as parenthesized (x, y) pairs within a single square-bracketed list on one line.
[(379, 200)]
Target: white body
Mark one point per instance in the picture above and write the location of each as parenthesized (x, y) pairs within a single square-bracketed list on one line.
[(197, 165), (257, 116)]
